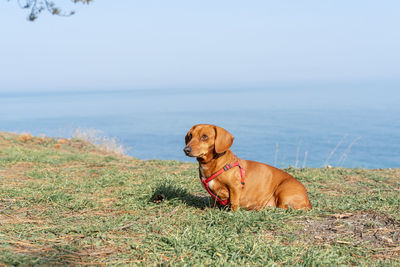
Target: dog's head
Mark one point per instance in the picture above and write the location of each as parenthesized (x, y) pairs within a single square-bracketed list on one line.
[(204, 141)]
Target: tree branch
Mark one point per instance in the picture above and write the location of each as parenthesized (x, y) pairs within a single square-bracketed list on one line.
[(37, 6)]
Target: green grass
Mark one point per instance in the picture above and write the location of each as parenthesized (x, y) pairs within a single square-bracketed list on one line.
[(71, 203)]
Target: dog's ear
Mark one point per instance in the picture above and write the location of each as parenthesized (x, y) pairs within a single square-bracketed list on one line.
[(223, 140)]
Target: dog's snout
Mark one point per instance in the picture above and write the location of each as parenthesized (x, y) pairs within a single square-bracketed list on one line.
[(187, 150)]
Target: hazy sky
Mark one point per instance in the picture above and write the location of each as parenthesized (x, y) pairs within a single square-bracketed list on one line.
[(130, 44)]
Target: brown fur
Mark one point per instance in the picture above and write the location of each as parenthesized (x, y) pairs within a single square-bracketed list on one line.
[(265, 186)]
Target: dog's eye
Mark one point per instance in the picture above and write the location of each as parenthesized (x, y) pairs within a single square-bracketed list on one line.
[(188, 137), (204, 137)]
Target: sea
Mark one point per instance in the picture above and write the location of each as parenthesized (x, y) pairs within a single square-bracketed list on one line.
[(281, 126)]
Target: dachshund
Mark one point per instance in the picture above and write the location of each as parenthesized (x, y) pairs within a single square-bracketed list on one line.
[(237, 182)]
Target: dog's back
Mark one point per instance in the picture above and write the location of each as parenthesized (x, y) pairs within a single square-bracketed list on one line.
[(270, 186)]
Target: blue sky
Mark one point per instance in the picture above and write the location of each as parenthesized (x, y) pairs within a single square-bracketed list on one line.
[(196, 44)]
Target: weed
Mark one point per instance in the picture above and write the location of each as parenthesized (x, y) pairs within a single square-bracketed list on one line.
[(105, 143)]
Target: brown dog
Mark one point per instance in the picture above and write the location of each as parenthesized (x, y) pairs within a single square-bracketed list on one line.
[(242, 183)]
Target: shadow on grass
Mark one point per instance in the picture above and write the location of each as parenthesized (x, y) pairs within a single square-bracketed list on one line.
[(169, 192)]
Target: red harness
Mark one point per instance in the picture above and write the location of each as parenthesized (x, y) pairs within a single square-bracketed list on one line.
[(224, 169)]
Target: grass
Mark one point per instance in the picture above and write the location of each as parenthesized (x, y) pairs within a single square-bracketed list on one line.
[(70, 202)]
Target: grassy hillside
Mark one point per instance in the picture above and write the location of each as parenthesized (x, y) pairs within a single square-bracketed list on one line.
[(68, 202)]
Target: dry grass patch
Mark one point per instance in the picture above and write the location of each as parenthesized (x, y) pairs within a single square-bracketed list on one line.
[(379, 232)]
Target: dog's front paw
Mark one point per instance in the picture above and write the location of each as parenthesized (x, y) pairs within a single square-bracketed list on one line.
[(234, 207)]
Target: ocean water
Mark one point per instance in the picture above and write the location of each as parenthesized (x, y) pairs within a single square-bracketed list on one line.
[(281, 126)]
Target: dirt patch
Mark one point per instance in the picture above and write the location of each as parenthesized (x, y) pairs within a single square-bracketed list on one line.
[(378, 231), (14, 174)]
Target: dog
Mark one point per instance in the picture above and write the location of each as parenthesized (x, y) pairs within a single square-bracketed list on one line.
[(240, 183)]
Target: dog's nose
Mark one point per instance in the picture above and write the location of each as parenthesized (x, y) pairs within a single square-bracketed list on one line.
[(187, 150)]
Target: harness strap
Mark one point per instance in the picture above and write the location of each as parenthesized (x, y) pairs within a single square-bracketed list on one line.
[(213, 176)]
